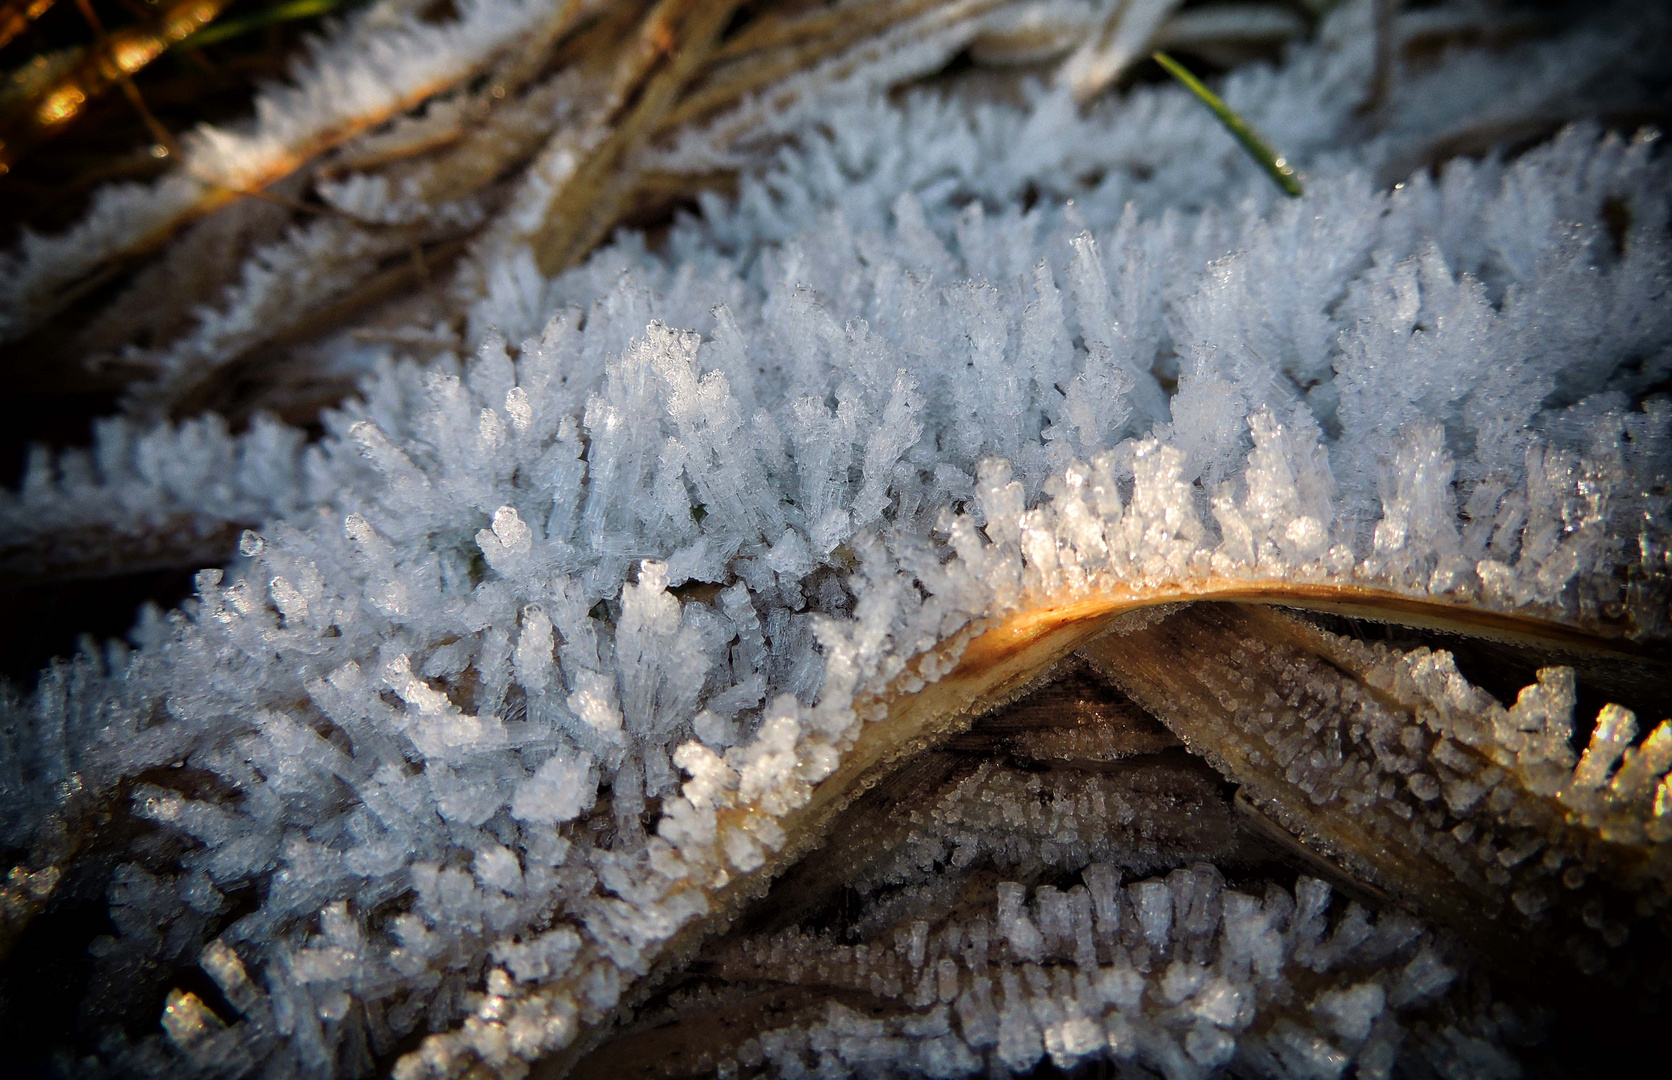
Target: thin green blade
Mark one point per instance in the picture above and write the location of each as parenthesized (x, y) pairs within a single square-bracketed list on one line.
[(1274, 165), (279, 13)]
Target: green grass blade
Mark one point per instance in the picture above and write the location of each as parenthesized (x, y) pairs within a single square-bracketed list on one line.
[(1278, 169), (289, 11)]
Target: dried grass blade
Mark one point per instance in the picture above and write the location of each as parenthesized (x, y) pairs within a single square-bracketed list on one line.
[(223, 169), (1429, 789), (739, 73), (672, 45)]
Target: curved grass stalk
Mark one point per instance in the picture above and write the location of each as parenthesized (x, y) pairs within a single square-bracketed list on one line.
[(708, 872), (1475, 815)]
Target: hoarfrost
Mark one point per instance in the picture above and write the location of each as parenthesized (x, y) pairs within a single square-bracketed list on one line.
[(480, 600)]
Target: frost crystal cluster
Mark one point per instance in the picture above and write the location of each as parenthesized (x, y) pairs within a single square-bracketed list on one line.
[(557, 647)]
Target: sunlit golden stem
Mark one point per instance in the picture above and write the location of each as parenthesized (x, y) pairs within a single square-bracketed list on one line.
[(16, 15), (111, 61)]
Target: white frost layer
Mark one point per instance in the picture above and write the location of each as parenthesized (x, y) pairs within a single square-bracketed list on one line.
[(1352, 312), (460, 624), (143, 485), (1179, 975)]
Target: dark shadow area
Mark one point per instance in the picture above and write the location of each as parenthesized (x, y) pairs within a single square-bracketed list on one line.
[(44, 621)]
